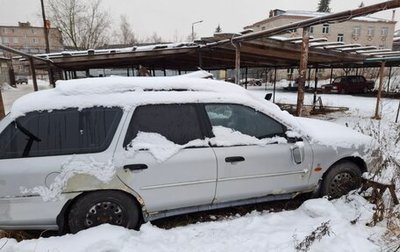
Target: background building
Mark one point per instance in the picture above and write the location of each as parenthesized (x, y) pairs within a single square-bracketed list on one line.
[(29, 39), (367, 31)]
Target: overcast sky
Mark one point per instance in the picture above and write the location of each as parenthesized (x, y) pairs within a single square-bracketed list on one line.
[(173, 18)]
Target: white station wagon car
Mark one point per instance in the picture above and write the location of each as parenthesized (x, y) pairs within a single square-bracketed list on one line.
[(124, 150)]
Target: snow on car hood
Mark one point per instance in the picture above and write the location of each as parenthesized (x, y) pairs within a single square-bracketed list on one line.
[(332, 134)]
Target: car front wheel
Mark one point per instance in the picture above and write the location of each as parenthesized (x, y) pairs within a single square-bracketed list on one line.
[(100, 207), (341, 179)]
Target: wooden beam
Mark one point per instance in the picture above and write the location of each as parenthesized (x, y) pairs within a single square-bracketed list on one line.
[(302, 71), (2, 110), (378, 97), (35, 86), (237, 63)]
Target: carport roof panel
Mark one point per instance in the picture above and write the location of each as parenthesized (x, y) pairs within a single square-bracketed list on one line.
[(264, 52)]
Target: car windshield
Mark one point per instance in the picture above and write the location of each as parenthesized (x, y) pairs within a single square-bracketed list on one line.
[(337, 80)]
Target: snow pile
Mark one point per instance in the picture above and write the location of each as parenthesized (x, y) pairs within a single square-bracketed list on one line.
[(229, 137), (163, 149), (100, 170), (160, 147), (256, 231), (331, 134), (118, 84)]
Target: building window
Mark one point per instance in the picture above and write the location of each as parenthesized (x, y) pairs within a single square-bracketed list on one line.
[(15, 40), (381, 47), (12, 30), (325, 28), (5, 30), (35, 40), (340, 37), (384, 31), (33, 31), (371, 31), (5, 40), (311, 29), (262, 28), (356, 31)]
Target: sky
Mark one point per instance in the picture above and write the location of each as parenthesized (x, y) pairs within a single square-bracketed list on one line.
[(172, 19)]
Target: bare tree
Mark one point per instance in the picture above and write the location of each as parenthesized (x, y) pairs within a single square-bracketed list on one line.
[(126, 35), (154, 38), (83, 23)]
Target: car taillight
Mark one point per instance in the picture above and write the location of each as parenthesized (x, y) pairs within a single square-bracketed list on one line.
[(334, 87)]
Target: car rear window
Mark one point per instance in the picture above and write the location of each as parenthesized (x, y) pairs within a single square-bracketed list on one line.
[(60, 132)]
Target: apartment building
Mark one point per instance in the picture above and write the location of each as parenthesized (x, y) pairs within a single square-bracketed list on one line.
[(29, 39), (366, 30)]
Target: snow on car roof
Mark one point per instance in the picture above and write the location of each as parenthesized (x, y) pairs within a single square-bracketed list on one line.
[(128, 92)]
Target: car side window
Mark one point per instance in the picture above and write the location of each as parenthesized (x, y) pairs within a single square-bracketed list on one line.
[(244, 119), (60, 132), (178, 123)]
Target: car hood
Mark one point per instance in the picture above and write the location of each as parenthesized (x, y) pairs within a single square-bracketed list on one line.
[(334, 135)]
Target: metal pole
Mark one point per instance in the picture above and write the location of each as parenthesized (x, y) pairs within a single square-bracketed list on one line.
[(315, 85), (2, 110), (247, 69), (35, 86), (302, 70), (378, 98), (390, 76), (46, 38), (237, 64), (197, 22), (273, 99)]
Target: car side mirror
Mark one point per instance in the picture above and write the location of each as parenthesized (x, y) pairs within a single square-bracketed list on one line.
[(293, 137), (268, 96)]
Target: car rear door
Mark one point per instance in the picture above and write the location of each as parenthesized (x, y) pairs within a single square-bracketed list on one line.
[(254, 159), (36, 148), (163, 159)]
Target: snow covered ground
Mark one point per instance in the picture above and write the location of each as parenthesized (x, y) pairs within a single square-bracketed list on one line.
[(345, 219)]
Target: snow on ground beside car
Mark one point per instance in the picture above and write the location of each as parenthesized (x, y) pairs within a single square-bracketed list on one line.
[(256, 231)]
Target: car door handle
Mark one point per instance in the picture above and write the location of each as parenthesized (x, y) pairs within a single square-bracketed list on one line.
[(234, 159), (134, 167)]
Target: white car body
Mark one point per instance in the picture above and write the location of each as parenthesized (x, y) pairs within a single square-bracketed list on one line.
[(34, 191)]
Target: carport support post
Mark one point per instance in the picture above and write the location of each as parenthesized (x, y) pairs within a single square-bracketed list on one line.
[(273, 99), (302, 70), (237, 63), (315, 85), (378, 97), (2, 112), (247, 70), (390, 76), (35, 86)]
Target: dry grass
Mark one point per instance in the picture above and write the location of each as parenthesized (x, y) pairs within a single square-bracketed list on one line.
[(17, 235)]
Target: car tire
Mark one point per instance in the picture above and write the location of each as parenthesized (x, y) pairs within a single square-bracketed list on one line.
[(365, 90), (341, 178), (100, 207)]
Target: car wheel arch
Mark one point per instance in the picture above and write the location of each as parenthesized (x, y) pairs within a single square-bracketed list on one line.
[(359, 162), (62, 218)]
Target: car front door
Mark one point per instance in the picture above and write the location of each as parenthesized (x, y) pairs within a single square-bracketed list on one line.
[(164, 160), (254, 158)]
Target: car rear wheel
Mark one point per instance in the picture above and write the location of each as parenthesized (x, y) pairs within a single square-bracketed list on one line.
[(341, 179), (100, 207)]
